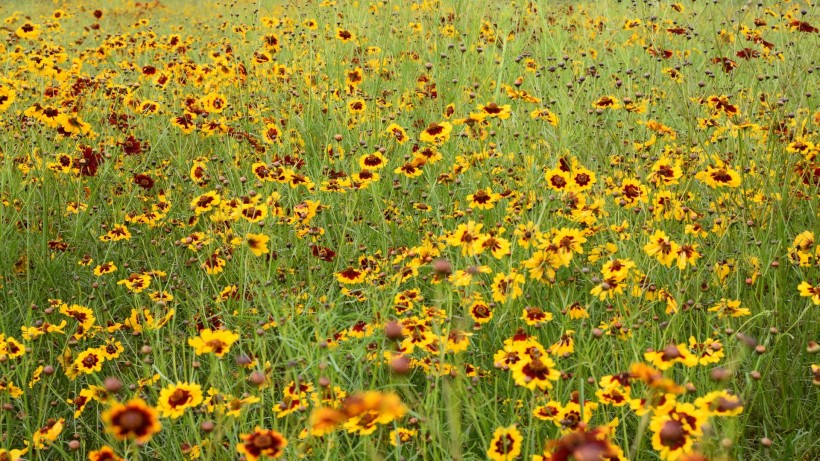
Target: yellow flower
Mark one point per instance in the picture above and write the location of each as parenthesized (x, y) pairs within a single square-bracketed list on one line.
[(133, 420), (719, 177), (808, 291), (505, 444), (217, 342), (436, 133), (48, 433), (174, 399), (258, 243)]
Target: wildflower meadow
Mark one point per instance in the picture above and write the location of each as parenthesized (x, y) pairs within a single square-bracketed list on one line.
[(409, 230)]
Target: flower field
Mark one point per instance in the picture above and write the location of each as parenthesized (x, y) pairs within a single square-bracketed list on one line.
[(409, 230)]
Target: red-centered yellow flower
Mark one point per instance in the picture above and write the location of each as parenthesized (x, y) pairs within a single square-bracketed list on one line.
[(707, 352), (401, 436), (7, 97), (546, 115), (719, 177), (483, 199), (505, 444), (134, 420), (809, 291), (12, 455), (534, 369), (662, 248), (116, 233), (720, 403), (324, 420), (205, 202), (558, 179), (104, 269), (351, 276), (729, 308), (506, 287), (396, 132), (675, 432), (666, 172), (373, 162), (631, 193), (607, 102), (468, 237), (436, 133), (258, 243), (534, 316), (492, 110), (262, 443), (48, 433), (217, 342), (89, 361), (105, 453), (345, 35), (136, 283), (174, 399), (671, 355)]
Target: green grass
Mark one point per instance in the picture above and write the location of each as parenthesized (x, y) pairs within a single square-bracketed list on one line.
[(289, 303)]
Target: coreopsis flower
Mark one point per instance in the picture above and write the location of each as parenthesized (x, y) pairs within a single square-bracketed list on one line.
[(116, 233), (136, 283), (48, 433), (675, 431), (666, 172), (345, 35), (534, 316), (492, 110), (367, 410), (558, 180), (7, 97), (217, 342), (262, 443), (729, 308), (632, 193), (10, 348), (396, 132), (722, 176), (105, 268), (12, 455), (436, 133), (582, 445), (258, 243), (401, 435), (607, 102), (720, 403), (105, 453), (174, 399), (89, 361), (483, 199), (507, 287), (707, 352), (28, 30), (505, 444), (671, 355), (662, 248), (546, 115), (534, 369), (133, 420), (565, 345), (205, 202), (809, 291)]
